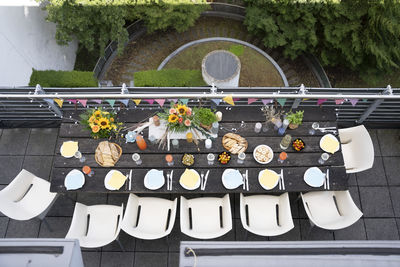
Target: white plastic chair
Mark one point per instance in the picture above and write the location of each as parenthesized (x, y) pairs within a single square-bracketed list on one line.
[(266, 215), (357, 149), (201, 217), (331, 210), (26, 197), (96, 226), (149, 217)]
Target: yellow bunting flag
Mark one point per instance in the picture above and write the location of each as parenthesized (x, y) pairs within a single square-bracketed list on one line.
[(305, 99), (137, 101), (228, 99), (59, 102)]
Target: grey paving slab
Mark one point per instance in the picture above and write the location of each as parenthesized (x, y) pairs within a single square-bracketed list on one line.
[(376, 202), (381, 229), (117, 259), (392, 169), (117, 199), (316, 233), (126, 240), (292, 235), (374, 176), (173, 259), (389, 141), (91, 259), (42, 141), (158, 245), (59, 227), (91, 198), (14, 141), (39, 165), (23, 229), (176, 237), (375, 142), (353, 232), (10, 166), (355, 195), (3, 226), (352, 179), (149, 259), (64, 206), (395, 195), (242, 234)]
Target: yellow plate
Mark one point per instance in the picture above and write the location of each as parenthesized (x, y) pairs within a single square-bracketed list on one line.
[(268, 179)]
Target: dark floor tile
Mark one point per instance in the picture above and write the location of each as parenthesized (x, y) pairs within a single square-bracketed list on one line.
[(389, 141), (23, 229), (353, 232), (59, 227), (127, 241), (39, 165), (355, 195), (148, 259), (352, 180), (315, 233), (242, 234), (176, 236), (173, 259), (42, 141), (392, 169), (3, 226), (158, 245), (91, 259), (374, 176), (376, 202), (375, 142), (117, 199), (381, 229), (10, 166), (64, 205), (292, 235), (395, 195), (92, 198), (14, 141), (117, 259)]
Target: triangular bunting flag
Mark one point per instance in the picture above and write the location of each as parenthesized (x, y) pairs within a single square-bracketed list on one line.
[(251, 100), (59, 102), (321, 101), (281, 101), (353, 102), (184, 101), (228, 99), (72, 100), (173, 100), (83, 102), (124, 101), (98, 101), (137, 101), (111, 102), (160, 101), (304, 99), (48, 100), (150, 101), (216, 101), (266, 101), (236, 99), (365, 100), (339, 101)]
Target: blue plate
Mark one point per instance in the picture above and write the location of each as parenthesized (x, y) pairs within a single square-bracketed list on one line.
[(314, 177), (74, 180)]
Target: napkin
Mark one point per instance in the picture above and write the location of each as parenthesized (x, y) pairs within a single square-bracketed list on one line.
[(117, 180), (330, 144), (268, 179), (189, 178), (68, 149)]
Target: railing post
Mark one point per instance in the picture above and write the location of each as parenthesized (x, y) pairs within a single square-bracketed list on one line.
[(387, 91), (39, 91), (297, 101), (213, 90)]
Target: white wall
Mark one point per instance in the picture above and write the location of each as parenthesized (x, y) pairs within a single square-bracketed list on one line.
[(27, 41)]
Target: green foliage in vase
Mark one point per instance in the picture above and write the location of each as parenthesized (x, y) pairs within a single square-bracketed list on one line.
[(295, 118), (204, 116)]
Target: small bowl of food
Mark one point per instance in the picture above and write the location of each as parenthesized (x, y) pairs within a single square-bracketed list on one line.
[(224, 157), (188, 159), (298, 144), (263, 154)]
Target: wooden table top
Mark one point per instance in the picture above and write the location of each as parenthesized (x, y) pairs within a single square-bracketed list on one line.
[(293, 168)]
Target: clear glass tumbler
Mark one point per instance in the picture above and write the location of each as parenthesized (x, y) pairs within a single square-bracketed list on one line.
[(324, 157)]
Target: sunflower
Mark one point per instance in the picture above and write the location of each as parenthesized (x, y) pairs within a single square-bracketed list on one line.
[(172, 118), (91, 119), (104, 123), (181, 109), (97, 113)]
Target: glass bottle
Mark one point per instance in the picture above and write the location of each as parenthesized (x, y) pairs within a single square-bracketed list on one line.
[(215, 128), (277, 123), (285, 143), (141, 143), (282, 130)]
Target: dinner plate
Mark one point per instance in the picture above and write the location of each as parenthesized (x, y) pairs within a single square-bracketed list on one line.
[(108, 177), (266, 147), (154, 179), (274, 183), (324, 138), (61, 148), (74, 180), (196, 185), (314, 177), (232, 179)]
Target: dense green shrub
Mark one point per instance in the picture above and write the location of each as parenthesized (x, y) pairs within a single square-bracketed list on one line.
[(168, 78), (53, 78), (360, 34), (236, 50)]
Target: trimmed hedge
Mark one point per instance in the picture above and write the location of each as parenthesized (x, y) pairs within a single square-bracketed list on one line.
[(53, 78), (169, 78)]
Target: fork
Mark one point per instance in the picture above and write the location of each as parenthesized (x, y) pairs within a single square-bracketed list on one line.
[(244, 181), (282, 180), (202, 180)]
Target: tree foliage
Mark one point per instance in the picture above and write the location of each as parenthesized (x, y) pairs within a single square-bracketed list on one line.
[(360, 34)]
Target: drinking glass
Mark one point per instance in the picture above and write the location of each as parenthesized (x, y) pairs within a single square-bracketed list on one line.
[(175, 143), (324, 157), (87, 170), (314, 127), (170, 160), (79, 156), (265, 127), (285, 143), (210, 159), (208, 143), (136, 158), (282, 157), (152, 139), (189, 137), (257, 127), (241, 158)]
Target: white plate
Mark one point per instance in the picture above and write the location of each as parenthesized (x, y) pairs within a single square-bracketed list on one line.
[(196, 185), (154, 179), (62, 147), (267, 147), (314, 177), (232, 179), (74, 180), (108, 177), (263, 186), (329, 136)]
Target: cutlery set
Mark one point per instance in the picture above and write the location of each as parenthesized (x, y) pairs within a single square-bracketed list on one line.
[(246, 180), (128, 184), (326, 181), (170, 175), (203, 181), (281, 181), (328, 130)]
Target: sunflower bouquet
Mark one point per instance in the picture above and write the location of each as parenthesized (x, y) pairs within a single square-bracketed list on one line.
[(102, 124), (179, 118)]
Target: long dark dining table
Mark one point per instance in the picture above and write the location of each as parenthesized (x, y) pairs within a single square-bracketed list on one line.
[(154, 158)]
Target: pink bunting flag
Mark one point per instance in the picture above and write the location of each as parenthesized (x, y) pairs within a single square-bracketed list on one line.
[(98, 101), (321, 101), (267, 101), (83, 102), (236, 99), (150, 101), (339, 101), (160, 101), (251, 100), (72, 100), (353, 102)]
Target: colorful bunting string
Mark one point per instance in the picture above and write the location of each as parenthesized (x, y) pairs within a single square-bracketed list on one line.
[(111, 102), (236, 99), (125, 102), (321, 101), (353, 102), (173, 100), (251, 100), (266, 101), (83, 102), (339, 101), (72, 100), (98, 101), (160, 101), (228, 99), (216, 101), (59, 102), (281, 101), (150, 101), (184, 101), (137, 101)]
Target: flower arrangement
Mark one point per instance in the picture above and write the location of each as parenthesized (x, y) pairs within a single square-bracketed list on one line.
[(102, 124), (179, 117)]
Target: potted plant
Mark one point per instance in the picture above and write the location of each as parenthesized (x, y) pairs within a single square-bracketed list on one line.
[(205, 117), (295, 119)]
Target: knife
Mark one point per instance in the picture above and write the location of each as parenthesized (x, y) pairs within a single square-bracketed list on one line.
[(170, 180), (283, 180), (327, 179), (247, 179), (130, 180), (205, 180)]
